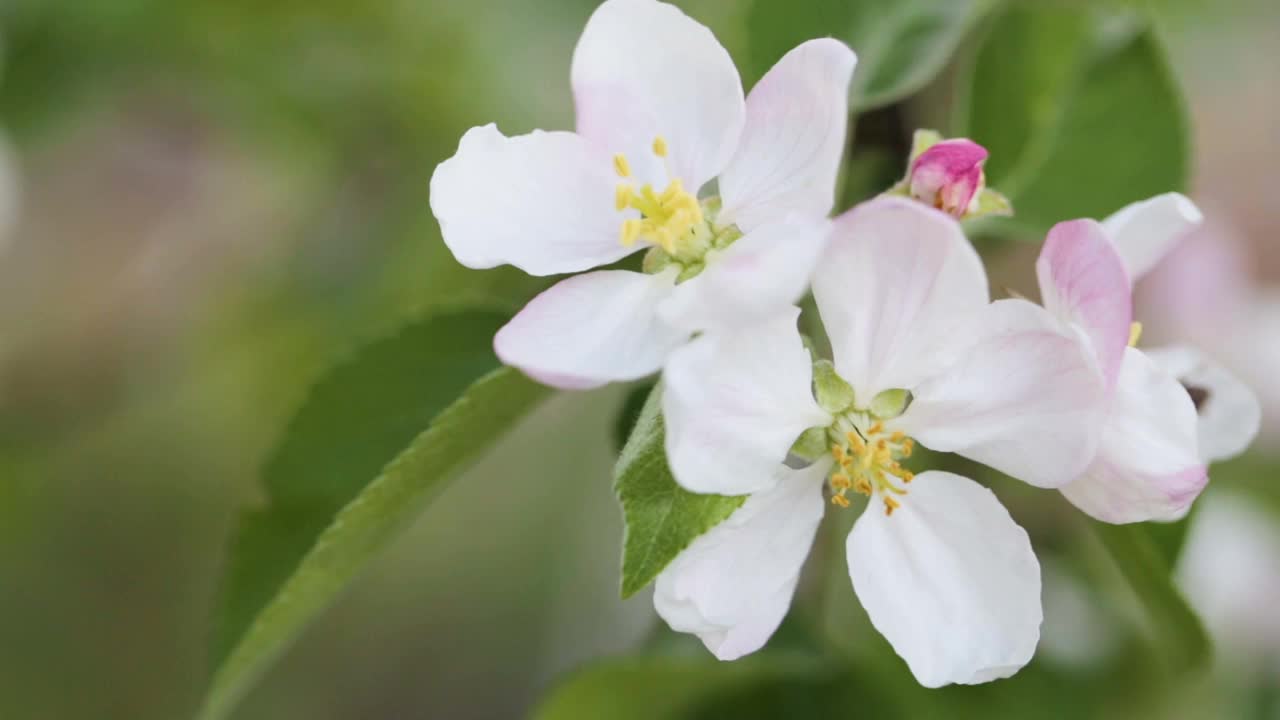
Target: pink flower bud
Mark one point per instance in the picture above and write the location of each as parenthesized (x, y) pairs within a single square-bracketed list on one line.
[(949, 175)]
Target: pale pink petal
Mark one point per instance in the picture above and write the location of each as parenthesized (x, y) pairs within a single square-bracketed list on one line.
[(590, 330), (1146, 231), (1083, 281), (793, 139), (1024, 397), (895, 281), (735, 402), (733, 585), (1229, 413), (950, 580), (764, 271), (1147, 466), (543, 202), (644, 69)]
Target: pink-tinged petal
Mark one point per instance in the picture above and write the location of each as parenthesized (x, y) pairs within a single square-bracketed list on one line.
[(1083, 281), (1024, 397), (763, 272), (950, 580), (795, 134), (590, 330), (1147, 466), (543, 202), (1201, 291), (732, 586), (735, 402), (895, 281), (948, 175), (1228, 412), (644, 69), (1146, 231)]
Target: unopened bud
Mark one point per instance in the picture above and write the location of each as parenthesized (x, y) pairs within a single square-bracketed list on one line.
[(949, 175)]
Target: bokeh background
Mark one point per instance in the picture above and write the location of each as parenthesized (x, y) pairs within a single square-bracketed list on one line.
[(206, 203)]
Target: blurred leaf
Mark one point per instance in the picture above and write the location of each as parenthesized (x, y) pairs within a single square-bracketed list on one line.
[(658, 688), (901, 44), (375, 442), (629, 414), (1080, 120), (1179, 634), (661, 517)]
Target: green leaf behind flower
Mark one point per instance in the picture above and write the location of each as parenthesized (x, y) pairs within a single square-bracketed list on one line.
[(1179, 635), (901, 44), (376, 441), (661, 517), (1079, 111)]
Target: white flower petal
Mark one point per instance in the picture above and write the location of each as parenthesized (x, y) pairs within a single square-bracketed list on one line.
[(644, 69), (734, 404), (896, 279), (543, 202), (591, 329), (761, 273), (1145, 231), (1083, 281), (733, 585), (950, 580), (1228, 410), (1147, 467), (1024, 397), (795, 134)]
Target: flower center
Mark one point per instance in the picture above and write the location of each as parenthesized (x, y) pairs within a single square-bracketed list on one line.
[(867, 462), (672, 219)]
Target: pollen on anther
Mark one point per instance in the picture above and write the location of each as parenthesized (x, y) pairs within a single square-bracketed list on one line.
[(890, 505), (840, 482), (660, 146), (840, 500), (631, 231), (621, 166)]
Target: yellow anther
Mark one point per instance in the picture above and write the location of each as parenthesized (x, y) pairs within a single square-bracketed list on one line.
[(862, 486), (621, 166), (875, 428), (840, 500), (897, 437), (1135, 334), (855, 442), (890, 505), (660, 147), (907, 447), (840, 481), (837, 453), (631, 231), (622, 196)]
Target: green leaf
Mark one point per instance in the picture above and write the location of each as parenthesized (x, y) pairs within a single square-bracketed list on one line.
[(375, 442), (1080, 119), (1179, 634), (661, 517), (656, 688), (901, 44)]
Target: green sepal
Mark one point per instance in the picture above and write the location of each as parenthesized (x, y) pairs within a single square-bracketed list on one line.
[(890, 403), (833, 393), (812, 444)]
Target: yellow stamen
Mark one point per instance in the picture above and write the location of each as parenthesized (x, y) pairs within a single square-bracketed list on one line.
[(875, 428), (631, 231), (840, 500), (1135, 333), (890, 505), (840, 482), (621, 166), (660, 146)]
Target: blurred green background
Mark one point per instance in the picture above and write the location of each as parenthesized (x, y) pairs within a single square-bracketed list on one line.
[(218, 199)]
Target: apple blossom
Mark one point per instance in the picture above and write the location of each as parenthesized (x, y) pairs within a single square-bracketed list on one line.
[(660, 113), (920, 353), (1150, 465)]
